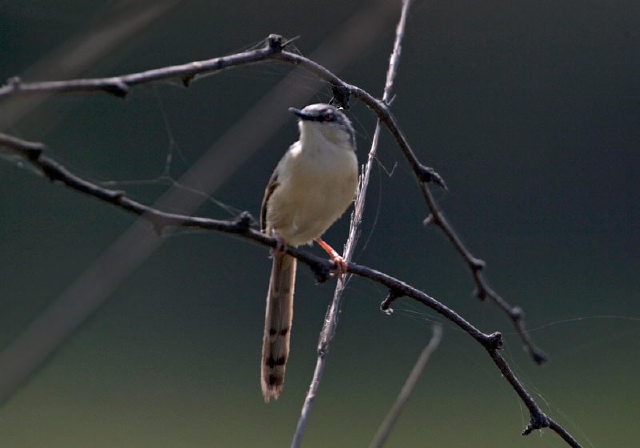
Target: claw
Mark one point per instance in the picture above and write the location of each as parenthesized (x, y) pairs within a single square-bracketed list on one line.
[(341, 264), (280, 243)]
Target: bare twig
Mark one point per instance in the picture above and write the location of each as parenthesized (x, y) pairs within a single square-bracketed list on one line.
[(426, 175), (117, 25), (475, 265), (392, 417), (274, 50), (331, 319), (94, 285), (120, 86), (320, 266)]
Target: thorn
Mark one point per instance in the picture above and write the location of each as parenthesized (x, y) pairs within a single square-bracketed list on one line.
[(539, 357), (341, 96), (385, 306), (538, 420), (494, 341), (118, 88), (481, 294), (517, 313), (243, 222), (477, 264), (427, 174), (275, 43), (186, 80)]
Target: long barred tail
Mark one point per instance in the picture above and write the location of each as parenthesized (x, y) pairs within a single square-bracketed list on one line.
[(277, 325)]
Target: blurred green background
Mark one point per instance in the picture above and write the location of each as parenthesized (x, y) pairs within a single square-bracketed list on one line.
[(531, 112)]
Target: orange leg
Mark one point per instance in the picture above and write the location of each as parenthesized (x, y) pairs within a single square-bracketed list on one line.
[(341, 265)]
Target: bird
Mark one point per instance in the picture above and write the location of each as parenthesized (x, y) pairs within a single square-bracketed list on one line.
[(312, 186)]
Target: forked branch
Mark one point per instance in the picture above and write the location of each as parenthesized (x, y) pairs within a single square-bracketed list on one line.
[(33, 152), (275, 49)]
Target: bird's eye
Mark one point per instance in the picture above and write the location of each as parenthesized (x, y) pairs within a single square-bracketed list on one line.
[(328, 117)]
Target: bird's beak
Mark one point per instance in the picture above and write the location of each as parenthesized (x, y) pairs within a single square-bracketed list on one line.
[(301, 114)]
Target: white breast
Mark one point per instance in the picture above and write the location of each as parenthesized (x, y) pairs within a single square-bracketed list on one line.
[(317, 182)]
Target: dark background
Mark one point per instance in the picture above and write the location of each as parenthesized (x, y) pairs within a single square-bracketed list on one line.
[(530, 111)]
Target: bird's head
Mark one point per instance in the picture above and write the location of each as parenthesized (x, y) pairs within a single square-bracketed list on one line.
[(326, 121)]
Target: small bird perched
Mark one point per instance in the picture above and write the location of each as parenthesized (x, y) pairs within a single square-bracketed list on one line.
[(309, 190)]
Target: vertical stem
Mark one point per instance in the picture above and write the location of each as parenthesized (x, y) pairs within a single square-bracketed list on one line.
[(331, 318)]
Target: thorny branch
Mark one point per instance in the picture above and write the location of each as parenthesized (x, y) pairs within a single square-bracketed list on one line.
[(275, 49), (330, 324), (321, 267)]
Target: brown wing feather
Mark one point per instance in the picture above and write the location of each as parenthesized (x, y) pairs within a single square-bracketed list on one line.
[(271, 186)]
